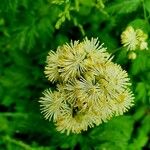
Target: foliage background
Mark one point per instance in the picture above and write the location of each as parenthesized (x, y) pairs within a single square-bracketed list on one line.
[(28, 30)]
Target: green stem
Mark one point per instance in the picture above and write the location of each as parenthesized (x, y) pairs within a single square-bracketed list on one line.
[(117, 49), (79, 26), (10, 114), (17, 142), (144, 10)]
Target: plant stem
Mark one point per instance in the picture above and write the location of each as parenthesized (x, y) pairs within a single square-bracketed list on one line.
[(17, 142), (144, 10), (10, 114)]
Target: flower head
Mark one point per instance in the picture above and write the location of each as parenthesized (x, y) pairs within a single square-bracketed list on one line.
[(51, 69), (134, 39), (143, 45), (71, 61), (122, 102), (90, 88), (52, 104), (129, 39)]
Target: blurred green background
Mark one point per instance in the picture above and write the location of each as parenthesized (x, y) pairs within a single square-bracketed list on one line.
[(28, 30)]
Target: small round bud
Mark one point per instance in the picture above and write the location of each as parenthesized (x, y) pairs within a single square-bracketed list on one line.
[(132, 55)]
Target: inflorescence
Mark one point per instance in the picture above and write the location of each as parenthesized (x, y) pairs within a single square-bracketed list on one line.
[(90, 88), (134, 39)]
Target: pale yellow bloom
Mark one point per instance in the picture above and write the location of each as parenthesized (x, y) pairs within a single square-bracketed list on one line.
[(143, 45), (134, 39), (71, 61), (74, 123), (71, 89), (90, 88), (51, 69), (141, 36), (96, 53), (122, 102), (132, 55), (90, 91), (129, 39), (114, 79), (52, 104)]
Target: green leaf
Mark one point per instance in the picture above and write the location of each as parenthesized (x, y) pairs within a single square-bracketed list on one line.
[(147, 5), (140, 64), (118, 127), (140, 91), (123, 6)]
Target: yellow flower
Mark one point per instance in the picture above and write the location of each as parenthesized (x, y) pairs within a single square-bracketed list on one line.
[(122, 102), (52, 104), (141, 36), (71, 60), (51, 69), (134, 39), (132, 55), (143, 45), (76, 120), (90, 91), (90, 88), (95, 51), (71, 122), (71, 89), (129, 39), (114, 79)]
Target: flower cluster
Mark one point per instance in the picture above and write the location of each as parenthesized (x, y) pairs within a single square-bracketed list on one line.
[(133, 40), (90, 88)]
